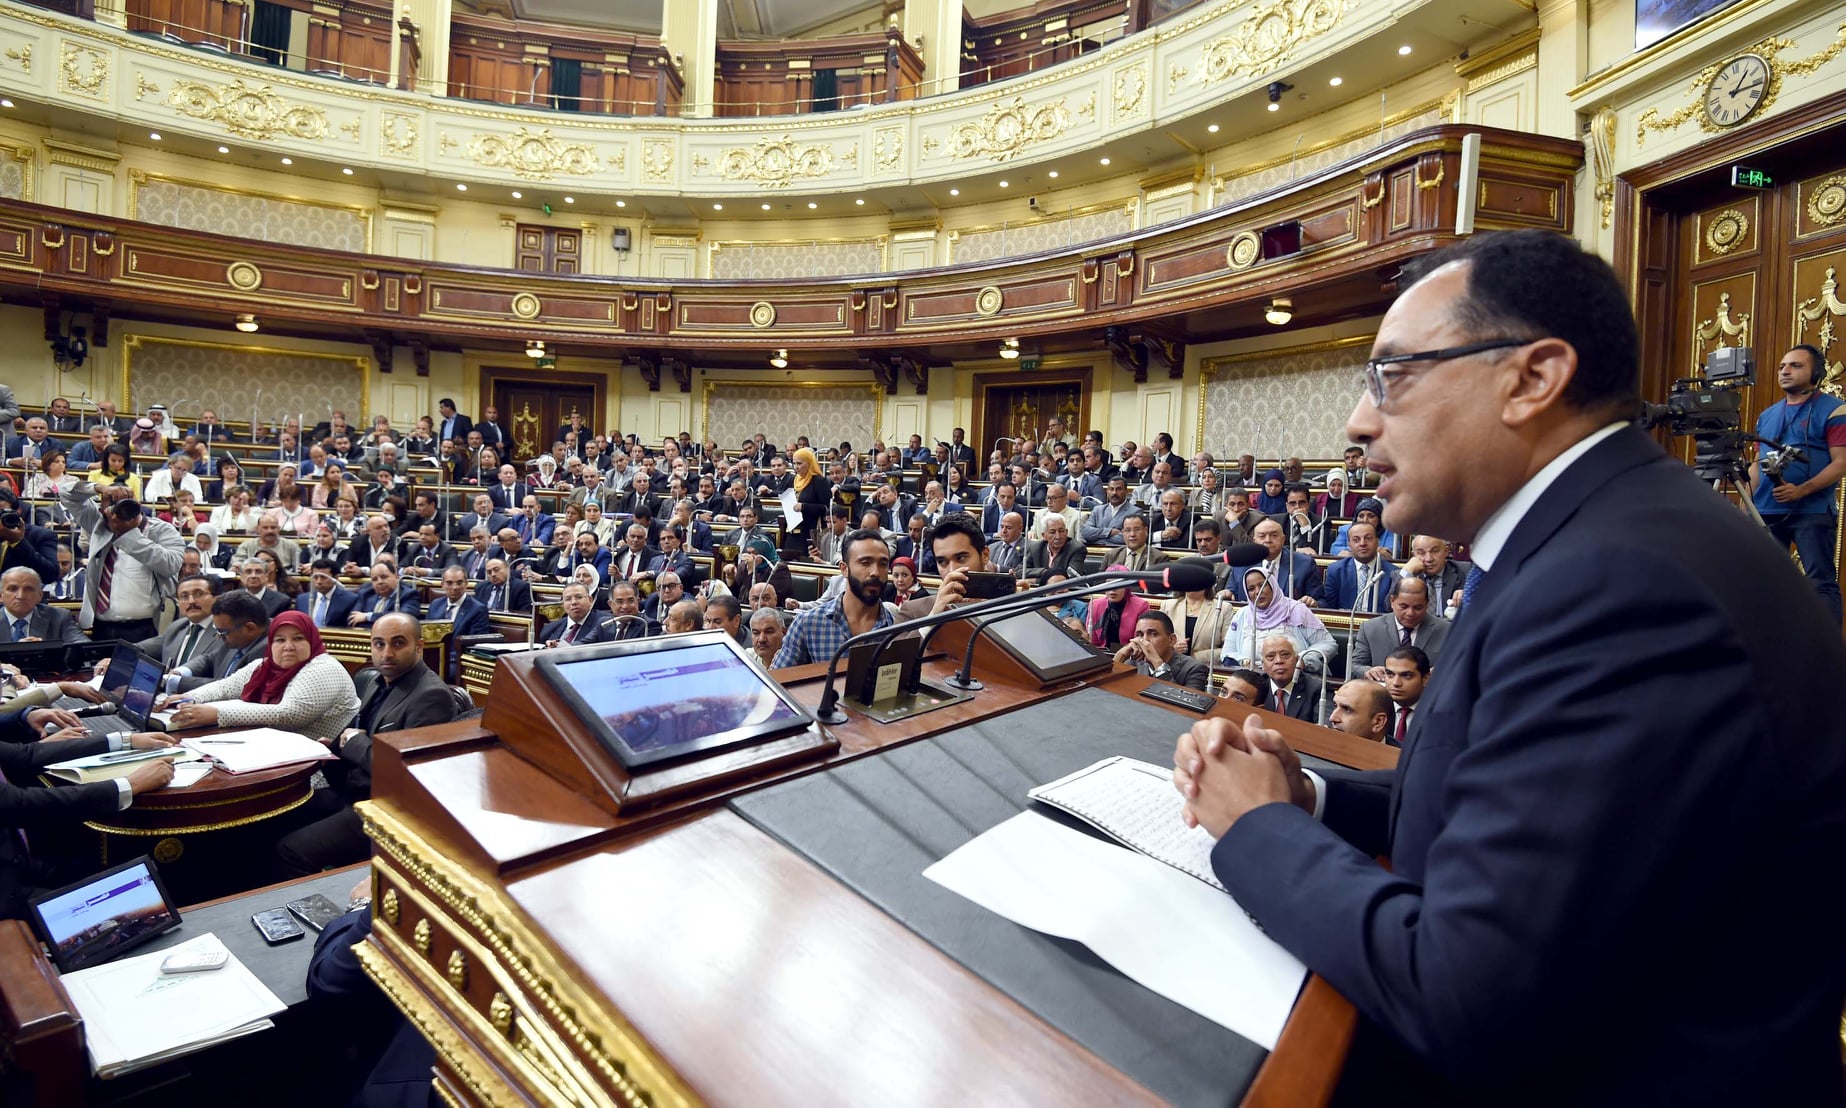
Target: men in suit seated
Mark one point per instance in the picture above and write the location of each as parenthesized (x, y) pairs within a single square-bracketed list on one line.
[(1136, 552), (502, 591), (1429, 559), (1296, 573), (1154, 652), (634, 557), (1006, 553), (485, 514), (407, 694), (508, 493), (1057, 503), (26, 618), (1361, 709), (389, 593), (625, 600), (723, 613), (1172, 526), (473, 559), (1293, 691), (682, 618), (1307, 532), (269, 537), (674, 557), (1004, 498), (255, 576), (1406, 675), (1371, 510), (1056, 555), (458, 605), (1104, 527), (1408, 623), (534, 526), (584, 551), (27, 545), (325, 602), (241, 624), (1360, 582), (429, 555), (580, 623), (668, 591), (189, 636), (377, 540)]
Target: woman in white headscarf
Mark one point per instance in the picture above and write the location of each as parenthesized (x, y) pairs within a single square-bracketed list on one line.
[(212, 553), (592, 581), (547, 472), (1271, 613)]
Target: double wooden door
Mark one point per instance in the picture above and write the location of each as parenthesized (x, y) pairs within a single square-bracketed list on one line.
[(533, 406), (1019, 405)]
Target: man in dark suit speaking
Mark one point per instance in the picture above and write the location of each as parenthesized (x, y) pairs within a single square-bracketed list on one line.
[(1612, 826)]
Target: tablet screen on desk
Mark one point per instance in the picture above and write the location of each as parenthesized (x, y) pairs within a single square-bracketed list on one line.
[(1038, 641), (649, 700), (105, 915)]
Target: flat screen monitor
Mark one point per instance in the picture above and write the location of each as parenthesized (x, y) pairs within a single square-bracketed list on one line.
[(653, 700), (1043, 644), (104, 916)]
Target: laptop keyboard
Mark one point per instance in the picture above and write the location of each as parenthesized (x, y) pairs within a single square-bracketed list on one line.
[(107, 725)]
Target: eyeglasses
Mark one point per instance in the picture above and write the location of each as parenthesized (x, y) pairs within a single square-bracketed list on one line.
[(1375, 375)]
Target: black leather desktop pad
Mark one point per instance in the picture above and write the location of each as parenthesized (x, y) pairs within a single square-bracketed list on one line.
[(877, 823)]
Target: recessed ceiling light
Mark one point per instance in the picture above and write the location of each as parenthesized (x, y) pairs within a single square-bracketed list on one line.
[(1105, 161), (812, 205), (155, 135), (1053, 174), (1212, 129), (224, 150), (765, 207), (954, 192), (618, 203), (1403, 50), (288, 161), (1274, 107), (459, 187), (1003, 184), (347, 171), (517, 195), (859, 202), (5, 103), (717, 207), (573, 200), (1336, 82)]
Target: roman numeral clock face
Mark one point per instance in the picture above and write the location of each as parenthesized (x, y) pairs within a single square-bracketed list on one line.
[(1737, 90)]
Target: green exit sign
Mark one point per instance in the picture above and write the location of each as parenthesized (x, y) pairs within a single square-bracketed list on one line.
[(1028, 364), (1743, 177)]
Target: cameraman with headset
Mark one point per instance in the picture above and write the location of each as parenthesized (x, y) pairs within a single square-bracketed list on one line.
[(1795, 494)]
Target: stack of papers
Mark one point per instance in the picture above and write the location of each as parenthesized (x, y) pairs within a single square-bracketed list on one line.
[(134, 1016), (119, 763), (258, 748), (1135, 804)]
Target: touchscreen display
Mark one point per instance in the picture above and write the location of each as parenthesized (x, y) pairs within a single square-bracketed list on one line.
[(1039, 642), (93, 922), (666, 699)]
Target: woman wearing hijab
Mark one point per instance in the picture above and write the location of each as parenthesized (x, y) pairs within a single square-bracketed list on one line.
[(547, 472), (586, 575), (1271, 613), (1114, 614), (1336, 502), (1271, 500), (813, 493), (212, 553), (904, 580), (296, 686)]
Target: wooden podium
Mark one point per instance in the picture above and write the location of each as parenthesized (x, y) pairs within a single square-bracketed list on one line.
[(565, 933)]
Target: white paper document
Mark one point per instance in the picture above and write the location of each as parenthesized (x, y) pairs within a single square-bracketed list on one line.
[(135, 1016), (1136, 803), (791, 510), (1175, 935), (258, 748), (188, 774)]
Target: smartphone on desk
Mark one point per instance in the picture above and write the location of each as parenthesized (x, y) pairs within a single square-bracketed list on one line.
[(277, 927), (316, 911)]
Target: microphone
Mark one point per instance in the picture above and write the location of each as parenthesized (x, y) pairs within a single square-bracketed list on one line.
[(1241, 554)]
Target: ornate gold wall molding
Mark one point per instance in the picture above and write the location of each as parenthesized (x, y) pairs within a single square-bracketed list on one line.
[(1601, 148), (533, 155), (776, 163), (1267, 38), (1770, 50), (1824, 307), (1130, 91), (83, 70), (254, 112), (398, 132), (1008, 129)]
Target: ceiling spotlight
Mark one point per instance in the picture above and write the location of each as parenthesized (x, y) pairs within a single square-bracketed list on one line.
[(517, 195), (1053, 175), (1009, 349), (573, 200), (1212, 129), (618, 203), (1281, 310), (459, 187), (288, 161), (765, 207), (347, 171), (155, 135), (717, 207), (1403, 50), (779, 359), (6, 103), (246, 323), (221, 149), (1105, 161), (954, 192), (1004, 184), (860, 202), (812, 205), (1336, 82), (535, 349)]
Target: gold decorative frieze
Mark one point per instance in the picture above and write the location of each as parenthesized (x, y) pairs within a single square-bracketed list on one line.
[(144, 87), (250, 112), (1176, 73), (1601, 142), (1827, 203), (1769, 50), (387, 906), (1130, 91), (1244, 250), (1726, 230), (1268, 37), (533, 155), (350, 129), (776, 163), (458, 970), (83, 70), (657, 160), (989, 300), (1087, 109), (888, 149), (244, 276), (421, 935), (1008, 129), (23, 56), (399, 133), (527, 306), (762, 314), (1823, 308)]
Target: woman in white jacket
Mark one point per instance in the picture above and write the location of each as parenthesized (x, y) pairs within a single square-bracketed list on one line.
[(295, 686)]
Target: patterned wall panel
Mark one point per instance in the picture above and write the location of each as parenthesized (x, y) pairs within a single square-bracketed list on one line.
[(1282, 402), (738, 261), (1049, 234), (188, 376), (1281, 172), (16, 172), (827, 414), (264, 218)]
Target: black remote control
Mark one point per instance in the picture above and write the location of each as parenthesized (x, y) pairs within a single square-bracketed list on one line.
[(1180, 696)]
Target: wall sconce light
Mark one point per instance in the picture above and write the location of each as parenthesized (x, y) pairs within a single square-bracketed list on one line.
[(246, 323), (535, 349), (1281, 310), (779, 359), (1009, 349), (621, 240)]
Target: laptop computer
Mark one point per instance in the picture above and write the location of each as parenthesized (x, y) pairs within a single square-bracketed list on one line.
[(129, 686), (104, 915)]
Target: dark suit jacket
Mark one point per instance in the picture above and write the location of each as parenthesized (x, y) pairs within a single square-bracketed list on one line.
[(1602, 787), (535, 532), (418, 699), (1069, 561), (1304, 701), (1306, 577), (1380, 635), (275, 601), (518, 595), (340, 604), (509, 503), (343, 996), (610, 568), (470, 616), (367, 601), (437, 558), (458, 430), (166, 645), (593, 629), (37, 551), (464, 525), (49, 624), (27, 805), (1339, 588)]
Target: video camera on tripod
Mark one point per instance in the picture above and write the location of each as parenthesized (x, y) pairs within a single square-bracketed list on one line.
[(1709, 410)]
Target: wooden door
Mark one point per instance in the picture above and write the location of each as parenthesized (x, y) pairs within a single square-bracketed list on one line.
[(539, 249), (1013, 404), (534, 404)]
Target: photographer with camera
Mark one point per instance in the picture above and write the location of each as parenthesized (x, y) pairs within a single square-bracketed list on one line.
[(134, 562), (1794, 488)]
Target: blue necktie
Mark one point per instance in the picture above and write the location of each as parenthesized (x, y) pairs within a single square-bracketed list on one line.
[(19, 630), (1475, 574)]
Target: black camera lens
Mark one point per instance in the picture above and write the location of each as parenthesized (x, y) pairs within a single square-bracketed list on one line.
[(12, 521)]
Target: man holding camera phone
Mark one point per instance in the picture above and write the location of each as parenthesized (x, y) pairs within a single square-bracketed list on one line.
[(1795, 493), (25, 544), (134, 562)]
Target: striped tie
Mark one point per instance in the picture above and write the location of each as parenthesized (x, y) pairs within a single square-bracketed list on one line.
[(1468, 587), (105, 580)]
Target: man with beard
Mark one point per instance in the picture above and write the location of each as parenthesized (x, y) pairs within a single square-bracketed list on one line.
[(819, 631)]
